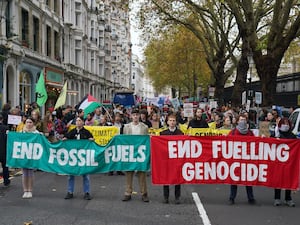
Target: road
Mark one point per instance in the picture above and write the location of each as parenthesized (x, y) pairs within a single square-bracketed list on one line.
[(48, 205)]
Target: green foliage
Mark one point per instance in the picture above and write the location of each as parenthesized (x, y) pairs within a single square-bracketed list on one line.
[(176, 59), (293, 52)]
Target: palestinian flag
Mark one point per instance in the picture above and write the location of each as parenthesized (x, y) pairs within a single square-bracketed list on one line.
[(88, 104)]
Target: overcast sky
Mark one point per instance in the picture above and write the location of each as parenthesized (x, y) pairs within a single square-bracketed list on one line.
[(136, 38)]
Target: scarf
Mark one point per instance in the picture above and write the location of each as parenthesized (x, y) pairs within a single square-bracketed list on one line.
[(242, 127)]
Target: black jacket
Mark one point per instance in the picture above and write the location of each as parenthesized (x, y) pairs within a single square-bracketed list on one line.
[(175, 132), (194, 123), (287, 135), (83, 134), (3, 139)]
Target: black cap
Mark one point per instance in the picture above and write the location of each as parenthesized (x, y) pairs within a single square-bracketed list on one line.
[(135, 111)]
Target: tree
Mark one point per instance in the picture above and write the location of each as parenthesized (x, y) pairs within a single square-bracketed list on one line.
[(209, 21), (175, 59), (292, 55), (269, 27)]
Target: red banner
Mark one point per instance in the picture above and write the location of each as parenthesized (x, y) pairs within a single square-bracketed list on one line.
[(238, 160)]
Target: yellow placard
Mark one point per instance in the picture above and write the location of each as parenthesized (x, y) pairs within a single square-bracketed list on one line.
[(206, 132), (101, 134)]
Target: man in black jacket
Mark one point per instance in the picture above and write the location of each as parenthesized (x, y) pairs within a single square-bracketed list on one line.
[(79, 132), (172, 130), (198, 121), (3, 138)]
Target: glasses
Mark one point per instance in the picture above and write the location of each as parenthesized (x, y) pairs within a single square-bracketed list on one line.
[(28, 121)]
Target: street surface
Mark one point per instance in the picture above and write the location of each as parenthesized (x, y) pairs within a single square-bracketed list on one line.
[(48, 205)]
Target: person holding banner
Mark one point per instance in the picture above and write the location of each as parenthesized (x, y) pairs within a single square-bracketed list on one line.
[(28, 174), (198, 121), (117, 122), (135, 128), (242, 128), (3, 139), (285, 131), (79, 132), (172, 130)]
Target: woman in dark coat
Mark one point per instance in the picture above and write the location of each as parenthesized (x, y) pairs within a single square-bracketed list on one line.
[(3, 137)]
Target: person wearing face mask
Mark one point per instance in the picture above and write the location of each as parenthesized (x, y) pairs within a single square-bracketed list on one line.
[(285, 131), (242, 128)]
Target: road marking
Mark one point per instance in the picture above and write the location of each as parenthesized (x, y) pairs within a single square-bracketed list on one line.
[(201, 209)]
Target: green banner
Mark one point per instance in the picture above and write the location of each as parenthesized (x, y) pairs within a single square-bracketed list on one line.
[(78, 157)]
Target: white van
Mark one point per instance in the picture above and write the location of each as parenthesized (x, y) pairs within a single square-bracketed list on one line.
[(295, 119)]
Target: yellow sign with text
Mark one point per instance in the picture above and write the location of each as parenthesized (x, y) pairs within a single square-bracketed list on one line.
[(206, 132), (101, 134), (193, 131)]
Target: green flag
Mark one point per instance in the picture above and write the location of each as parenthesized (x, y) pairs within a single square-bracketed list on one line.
[(41, 91)]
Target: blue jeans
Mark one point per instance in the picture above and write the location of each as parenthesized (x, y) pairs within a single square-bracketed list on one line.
[(85, 182)]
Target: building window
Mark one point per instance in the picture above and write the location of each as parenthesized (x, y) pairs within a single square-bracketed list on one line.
[(57, 46), (78, 52), (25, 90), (101, 66), (48, 53), (36, 34), (92, 61), (25, 28), (77, 13), (7, 20), (297, 85), (92, 29), (56, 6)]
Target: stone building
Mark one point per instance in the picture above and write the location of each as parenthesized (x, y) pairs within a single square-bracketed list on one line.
[(85, 43)]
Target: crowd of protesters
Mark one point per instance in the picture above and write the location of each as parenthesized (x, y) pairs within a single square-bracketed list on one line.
[(55, 124)]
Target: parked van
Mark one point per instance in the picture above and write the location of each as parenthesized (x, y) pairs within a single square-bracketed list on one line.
[(295, 119)]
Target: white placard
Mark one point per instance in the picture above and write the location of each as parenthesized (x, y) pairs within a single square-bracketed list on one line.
[(211, 91), (248, 105), (13, 119), (188, 110), (202, 105), (258, 98), (244, 97), (213, 104)]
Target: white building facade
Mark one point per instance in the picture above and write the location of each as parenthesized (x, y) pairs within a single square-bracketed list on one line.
[(141, 83), (85, 43)]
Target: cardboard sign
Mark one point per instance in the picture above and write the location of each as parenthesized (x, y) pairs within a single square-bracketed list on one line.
[(14, 120), (188, 110)]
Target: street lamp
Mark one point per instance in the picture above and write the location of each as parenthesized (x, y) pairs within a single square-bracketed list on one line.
[(250, 63)]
